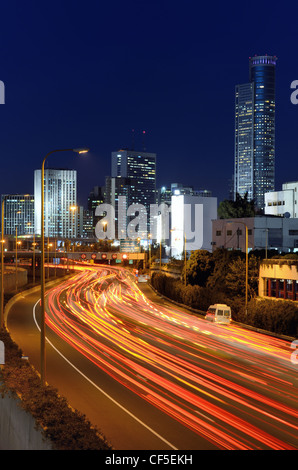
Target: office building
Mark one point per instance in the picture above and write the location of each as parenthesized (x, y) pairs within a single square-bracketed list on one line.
[(254, 166), (140, 168), (264, 233), (283, 203), (18, 214), (191, 223), (85, 219), (60, 202), (95, 198), (278, 279), (120, 192)]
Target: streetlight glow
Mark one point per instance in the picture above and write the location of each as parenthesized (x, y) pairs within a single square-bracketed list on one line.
[(81, 150)]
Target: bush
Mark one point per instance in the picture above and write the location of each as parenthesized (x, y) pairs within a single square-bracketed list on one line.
[(66, 428), (279, 317)]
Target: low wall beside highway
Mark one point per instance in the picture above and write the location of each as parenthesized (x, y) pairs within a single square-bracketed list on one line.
[(18, 428), (10, 283)]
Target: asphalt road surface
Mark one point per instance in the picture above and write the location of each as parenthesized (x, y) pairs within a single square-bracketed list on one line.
[(152, 376)]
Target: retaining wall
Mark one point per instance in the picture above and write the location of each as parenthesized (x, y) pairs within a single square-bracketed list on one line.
[(18, 428)]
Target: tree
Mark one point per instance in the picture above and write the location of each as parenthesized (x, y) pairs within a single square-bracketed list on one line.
[(236, 277), (222, 259), (199, 267), (239, 208)]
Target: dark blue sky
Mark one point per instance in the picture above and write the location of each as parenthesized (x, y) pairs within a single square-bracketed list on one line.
[(87, 73)]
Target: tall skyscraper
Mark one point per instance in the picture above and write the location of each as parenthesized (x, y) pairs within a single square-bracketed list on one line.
[(60, 197), (254, 170), (96, 197), (18, 214), (140, 169)]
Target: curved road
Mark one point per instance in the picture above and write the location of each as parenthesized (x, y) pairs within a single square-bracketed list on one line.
[(152, 376)]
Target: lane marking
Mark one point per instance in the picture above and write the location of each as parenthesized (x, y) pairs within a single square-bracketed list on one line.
[(102, 391)]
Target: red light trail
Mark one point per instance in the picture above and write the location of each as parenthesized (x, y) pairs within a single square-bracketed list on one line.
[(233, 387)]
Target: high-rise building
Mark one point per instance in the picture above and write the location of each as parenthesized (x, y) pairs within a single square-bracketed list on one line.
[(254, 170), (18, 214), (140, 168), (120, 192), (95, 198), (283, 203), (60, 197), (85, 228)]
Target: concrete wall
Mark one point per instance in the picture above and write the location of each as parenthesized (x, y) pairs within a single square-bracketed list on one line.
[(10, 278), (18, 428)]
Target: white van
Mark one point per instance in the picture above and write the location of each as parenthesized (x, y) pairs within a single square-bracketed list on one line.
[(219, 313)]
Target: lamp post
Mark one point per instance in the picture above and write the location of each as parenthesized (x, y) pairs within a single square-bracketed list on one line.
[(73, 229), (49, 246), (149, 241), (33, 244), (16, 271), (2, 267), (246, 260), (42, 264), (185, 253)]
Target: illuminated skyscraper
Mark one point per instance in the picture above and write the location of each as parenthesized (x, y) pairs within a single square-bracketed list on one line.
[(18, 214), (60, 195), (254, 171), (140, 169)]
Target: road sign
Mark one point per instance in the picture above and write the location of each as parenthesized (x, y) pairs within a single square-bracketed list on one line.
[(83, 256), (93, 256), (2, 358)]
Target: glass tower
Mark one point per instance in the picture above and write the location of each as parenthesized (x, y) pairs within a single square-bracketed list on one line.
[(140, 169), (18, 214), (60, 195), (255, 131)]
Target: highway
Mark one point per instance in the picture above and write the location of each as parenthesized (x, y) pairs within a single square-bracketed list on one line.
[(153, 376)]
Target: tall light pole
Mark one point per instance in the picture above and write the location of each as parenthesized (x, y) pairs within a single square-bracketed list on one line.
[(246, 261), (185, 252), (42, 266), (73, 228), (16, 272), (185, 257), (33, 244), (2, 267)]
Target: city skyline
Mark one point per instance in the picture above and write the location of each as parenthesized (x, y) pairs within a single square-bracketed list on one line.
[(69, 82)]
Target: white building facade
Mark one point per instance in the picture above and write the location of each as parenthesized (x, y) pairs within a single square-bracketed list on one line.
[(18, 214), (283, 203), (264, 232), (191, 223), (60, 201)]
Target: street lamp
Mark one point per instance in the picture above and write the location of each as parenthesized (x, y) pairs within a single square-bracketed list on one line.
[(246, 259), (185, 253), (42, 320), (2, 267)]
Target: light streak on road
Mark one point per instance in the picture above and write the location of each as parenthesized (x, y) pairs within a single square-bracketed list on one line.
[(234, 387)]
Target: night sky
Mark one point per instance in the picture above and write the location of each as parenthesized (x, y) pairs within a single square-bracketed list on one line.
[(87, 73)]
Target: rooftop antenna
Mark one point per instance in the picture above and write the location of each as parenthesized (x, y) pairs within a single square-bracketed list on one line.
[(144, 132), (133, 139)]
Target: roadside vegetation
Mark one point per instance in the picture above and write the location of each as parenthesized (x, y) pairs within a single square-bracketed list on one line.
[(219, 277), (66, 428)]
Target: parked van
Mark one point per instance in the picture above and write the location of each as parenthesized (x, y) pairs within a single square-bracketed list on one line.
[(219, 313)]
